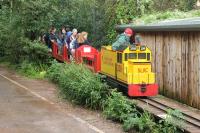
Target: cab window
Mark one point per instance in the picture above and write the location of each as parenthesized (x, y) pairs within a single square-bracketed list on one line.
[(141, 55), (119, 57), (148, 56), (133, 56), (126, 57)]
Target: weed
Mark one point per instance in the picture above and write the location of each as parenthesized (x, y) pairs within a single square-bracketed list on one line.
[(118, 107), (143, 123)]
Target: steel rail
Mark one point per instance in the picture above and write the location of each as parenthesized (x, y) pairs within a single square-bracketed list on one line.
[(163, 107)]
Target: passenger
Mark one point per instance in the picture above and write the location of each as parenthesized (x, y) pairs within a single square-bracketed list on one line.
[(68, 31), (82, 39), (123, 40), (52, 36), (64, 36), (46, 38), (60, 42), (62, 39), (68, 34), (73, 38)]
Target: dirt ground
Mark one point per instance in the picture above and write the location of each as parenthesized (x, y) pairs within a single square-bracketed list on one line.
[(33, 106)]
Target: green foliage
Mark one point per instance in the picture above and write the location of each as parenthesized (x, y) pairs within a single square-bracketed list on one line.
[(54, 71), (36, 52), (144, 123), (118, 107), (168, 15), (79, 85), (173, 121), (31, 70), (98, 17)]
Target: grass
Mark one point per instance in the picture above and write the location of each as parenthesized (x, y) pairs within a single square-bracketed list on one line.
[(31, 70), (26, 68)]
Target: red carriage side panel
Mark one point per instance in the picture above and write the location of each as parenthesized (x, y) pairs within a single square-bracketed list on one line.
[(89, 56), (61, 57)]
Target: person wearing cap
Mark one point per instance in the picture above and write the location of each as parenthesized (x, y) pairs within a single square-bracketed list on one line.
[(123, 40)]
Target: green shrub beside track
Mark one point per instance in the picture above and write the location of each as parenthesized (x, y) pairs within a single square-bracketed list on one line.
[(79, 85), (82, 87)]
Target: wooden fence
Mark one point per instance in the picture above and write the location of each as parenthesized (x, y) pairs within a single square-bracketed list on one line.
[(176, 61)]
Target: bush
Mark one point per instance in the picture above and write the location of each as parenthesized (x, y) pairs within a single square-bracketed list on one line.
[(173, 121), (79, 85), (146, 123), (54, 71), (118, 107), (36, 52)]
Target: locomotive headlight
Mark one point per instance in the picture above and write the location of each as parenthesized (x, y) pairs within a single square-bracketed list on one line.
[(133, 48), (142, 48)]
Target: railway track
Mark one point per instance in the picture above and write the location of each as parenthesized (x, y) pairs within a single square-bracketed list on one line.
[(159, 109)]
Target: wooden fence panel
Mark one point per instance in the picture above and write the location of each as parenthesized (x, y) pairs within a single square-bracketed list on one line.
[(176, 61), (159, 60), (149, 41), (184, 67)]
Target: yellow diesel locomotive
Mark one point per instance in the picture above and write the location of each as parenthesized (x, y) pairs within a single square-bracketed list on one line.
[(131, 68)]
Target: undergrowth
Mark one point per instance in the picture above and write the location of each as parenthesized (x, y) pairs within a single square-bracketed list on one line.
[(33, 61), (81, 86)]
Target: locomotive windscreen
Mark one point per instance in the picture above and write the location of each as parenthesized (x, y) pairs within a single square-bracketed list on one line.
[(141, 55), (132, 56)]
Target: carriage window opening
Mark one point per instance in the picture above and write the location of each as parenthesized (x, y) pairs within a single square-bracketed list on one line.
[(132, 56), (141, 55), (84, 60), (126, 57), (148, 56), (90, 62), (119, 57)]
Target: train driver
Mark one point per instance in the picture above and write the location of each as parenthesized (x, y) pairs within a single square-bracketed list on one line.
[(123, 40)]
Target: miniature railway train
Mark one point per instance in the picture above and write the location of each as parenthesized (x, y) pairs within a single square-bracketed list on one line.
[(130, 69)]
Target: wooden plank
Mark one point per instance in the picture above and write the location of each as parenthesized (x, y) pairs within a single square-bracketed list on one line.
[(198, 88), (184, 66), (191, 70), (166, 57), (177, 66), (197, 68), (159, 60), (148, 39)]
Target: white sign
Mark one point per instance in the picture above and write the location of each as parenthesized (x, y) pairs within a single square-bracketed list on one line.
[(87, 50)]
